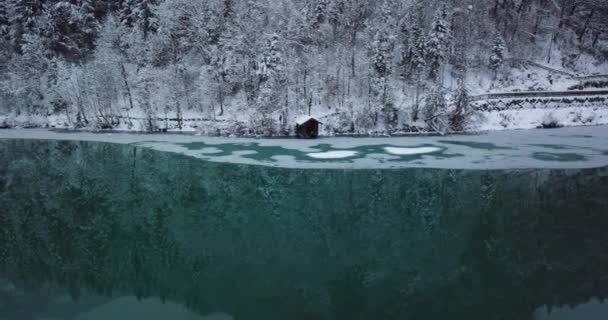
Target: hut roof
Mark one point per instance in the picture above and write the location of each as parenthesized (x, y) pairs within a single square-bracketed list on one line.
[(300, 120)]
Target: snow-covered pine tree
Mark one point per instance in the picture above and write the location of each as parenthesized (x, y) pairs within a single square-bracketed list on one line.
[(418, 63), (4, 19), (387, 14), (435, 110), (21, 17), (498, 55), (228, 9), (437, 42), (145, 18), (126, 13), (418, 47), (60, 28), (320, 12), (90, 25), (224, 70), (270, 75), (417, 55), (404, 37), (337, 10), (461, 113), (381, 54)]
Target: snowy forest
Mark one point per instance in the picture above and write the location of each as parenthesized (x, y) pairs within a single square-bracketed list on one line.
[(250, 67)]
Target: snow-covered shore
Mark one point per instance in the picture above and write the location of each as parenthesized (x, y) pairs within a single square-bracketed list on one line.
[(511, 119)]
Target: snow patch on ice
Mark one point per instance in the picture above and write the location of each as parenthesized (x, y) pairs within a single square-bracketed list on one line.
[(333, 154), (411, 151), (210, 150)]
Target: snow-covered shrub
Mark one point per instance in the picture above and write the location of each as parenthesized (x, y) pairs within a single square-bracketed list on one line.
[(550, 121), (583, 117), (345, 122), (263, 126), (364, 119), (506, 120)]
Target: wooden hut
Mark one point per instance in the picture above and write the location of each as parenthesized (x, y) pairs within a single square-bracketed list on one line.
[(307, 127)]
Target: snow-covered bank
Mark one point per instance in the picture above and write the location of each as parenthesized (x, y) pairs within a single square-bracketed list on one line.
[(582, 147), (538, 118), (512, 119)]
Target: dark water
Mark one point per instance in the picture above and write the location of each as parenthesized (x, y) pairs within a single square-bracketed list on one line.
[(96, 222)]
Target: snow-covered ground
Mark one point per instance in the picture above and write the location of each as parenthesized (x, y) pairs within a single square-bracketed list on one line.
[(582, 147), (535, 118)]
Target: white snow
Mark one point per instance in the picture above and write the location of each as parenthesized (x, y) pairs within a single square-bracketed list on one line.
[(534, 118), (333, 154), (411, 151), (304, 118)]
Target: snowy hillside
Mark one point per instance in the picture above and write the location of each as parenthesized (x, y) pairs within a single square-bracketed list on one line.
[(250, 68)]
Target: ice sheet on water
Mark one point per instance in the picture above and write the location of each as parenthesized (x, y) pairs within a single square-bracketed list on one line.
[(587, 147)]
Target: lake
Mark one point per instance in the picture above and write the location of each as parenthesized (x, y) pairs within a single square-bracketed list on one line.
[(411, 229)]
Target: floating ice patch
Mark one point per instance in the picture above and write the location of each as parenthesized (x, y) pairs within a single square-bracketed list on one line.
[(333, 154), (411, 151), (210, 150), (244, 152)]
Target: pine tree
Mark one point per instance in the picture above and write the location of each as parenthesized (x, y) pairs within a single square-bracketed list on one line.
[(461, 113), (228, 10), (381, 55), (271, 75), (435, 110), (271, 66), (22, 15), (404, 63), (417, 62), (145, 18), (437, 42), (61, 30), (320, 12), (381, 59), (4, 19), (418, 48), (337, 10), (90, 26), (25, 11), (498, 55), (387, 14), (126, 13)]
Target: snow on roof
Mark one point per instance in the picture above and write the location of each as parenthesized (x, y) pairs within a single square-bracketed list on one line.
[(300, 120)]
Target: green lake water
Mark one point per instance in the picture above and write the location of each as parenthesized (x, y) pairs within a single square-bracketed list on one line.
[(101, 231)]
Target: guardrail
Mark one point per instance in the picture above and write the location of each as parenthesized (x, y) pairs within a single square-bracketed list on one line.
[(538, 94), (510, 102)]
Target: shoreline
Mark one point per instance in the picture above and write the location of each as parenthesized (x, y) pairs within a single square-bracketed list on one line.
[(565, 148), (189, 133)]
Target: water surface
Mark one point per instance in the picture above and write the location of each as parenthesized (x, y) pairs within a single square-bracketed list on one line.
[(91, 230)]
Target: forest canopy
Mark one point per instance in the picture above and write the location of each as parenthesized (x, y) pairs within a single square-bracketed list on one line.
[(377, 64)]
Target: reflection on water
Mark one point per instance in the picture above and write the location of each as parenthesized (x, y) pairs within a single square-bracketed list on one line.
[(104, 223), (564, 157), (592, 310)]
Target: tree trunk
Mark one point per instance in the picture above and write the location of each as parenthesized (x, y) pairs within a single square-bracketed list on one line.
[(221, 96), (353, 54), (127, 87), (586, 26)]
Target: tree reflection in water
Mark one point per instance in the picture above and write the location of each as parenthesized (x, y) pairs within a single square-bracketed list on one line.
[(267, 243)]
